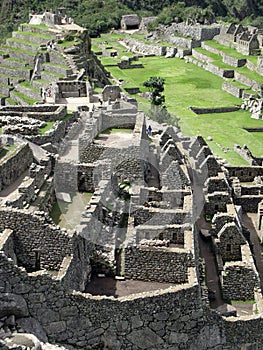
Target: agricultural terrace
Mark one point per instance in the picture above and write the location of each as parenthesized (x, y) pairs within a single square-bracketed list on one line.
[(188, 85)]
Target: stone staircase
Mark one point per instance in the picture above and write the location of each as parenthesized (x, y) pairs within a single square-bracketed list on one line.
[(17, 61)]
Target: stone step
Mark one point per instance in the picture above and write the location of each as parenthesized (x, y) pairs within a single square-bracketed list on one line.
[(49, 76), (23, 45), (23, 73), (31, 92), (21, 99), (19, 54), (15, 63), (57, 69), (10, 102), (5, 89), (38, 29)]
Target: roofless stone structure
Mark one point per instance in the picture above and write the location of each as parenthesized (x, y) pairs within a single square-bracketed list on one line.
[(113, 237)]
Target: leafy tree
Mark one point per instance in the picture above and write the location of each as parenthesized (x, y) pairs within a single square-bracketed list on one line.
[(156, 87)]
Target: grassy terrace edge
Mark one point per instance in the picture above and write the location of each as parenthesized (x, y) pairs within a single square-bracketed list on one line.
[(189, 85)]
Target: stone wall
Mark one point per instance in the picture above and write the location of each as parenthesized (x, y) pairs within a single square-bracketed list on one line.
[(199, 32), (163, 319), (35, 239), (157, 264), (230, 240), (14, 164), (240, 278), (146, 49), (198, 110), (232, 89), (44, 112), (245, 173), (247, 81)]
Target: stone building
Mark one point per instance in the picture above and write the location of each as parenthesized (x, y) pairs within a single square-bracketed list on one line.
[(151, 196), (130, 22)]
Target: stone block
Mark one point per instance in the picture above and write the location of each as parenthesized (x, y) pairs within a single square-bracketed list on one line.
[(145, 338)]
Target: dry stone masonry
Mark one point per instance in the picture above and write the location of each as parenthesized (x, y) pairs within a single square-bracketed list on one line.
[(163, 211)]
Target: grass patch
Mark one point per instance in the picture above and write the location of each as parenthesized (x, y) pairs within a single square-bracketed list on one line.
[(11, 102), (37, 35), (46, 128), (21, 41), (15, 69), (66, 44), (27, 85), (14, 49), (117, 130), (56, 65), (225, 49), (57, 75), (188, 85), (250, 74), (25, 98)]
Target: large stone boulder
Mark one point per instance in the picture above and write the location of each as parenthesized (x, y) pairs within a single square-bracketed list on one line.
[(31, 325), (12, 304)]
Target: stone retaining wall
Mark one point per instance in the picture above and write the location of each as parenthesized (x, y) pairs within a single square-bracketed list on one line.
[(233, 61), (245, 173), (232, 89), (198, 110), (247, 81), (148, 49), (200, 56)]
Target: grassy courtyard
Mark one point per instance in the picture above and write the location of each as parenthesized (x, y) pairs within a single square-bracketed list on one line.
[(188, 85)]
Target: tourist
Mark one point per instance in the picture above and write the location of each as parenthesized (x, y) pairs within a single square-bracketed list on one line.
[(149, 130)]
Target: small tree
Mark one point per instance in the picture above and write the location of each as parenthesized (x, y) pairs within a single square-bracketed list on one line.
[(156, 87), (161, 115)]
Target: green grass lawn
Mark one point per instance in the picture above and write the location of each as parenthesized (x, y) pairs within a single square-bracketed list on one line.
[(188, 85), (46, 128)]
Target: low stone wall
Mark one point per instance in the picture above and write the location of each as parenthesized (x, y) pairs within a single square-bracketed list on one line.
[(38, 39), (146, 49), (200, 56), (54, 135), (183, 42), (15, 164), (42, 112), (151, 319), (157, 264), (211, 49), (233, 90), (247, 81), (21, 73), (232, 61), (199, 32), (223, 73), (198, 110), (249, 203)]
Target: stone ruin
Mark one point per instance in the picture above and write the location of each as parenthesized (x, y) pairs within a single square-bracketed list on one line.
[(163, 211)]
